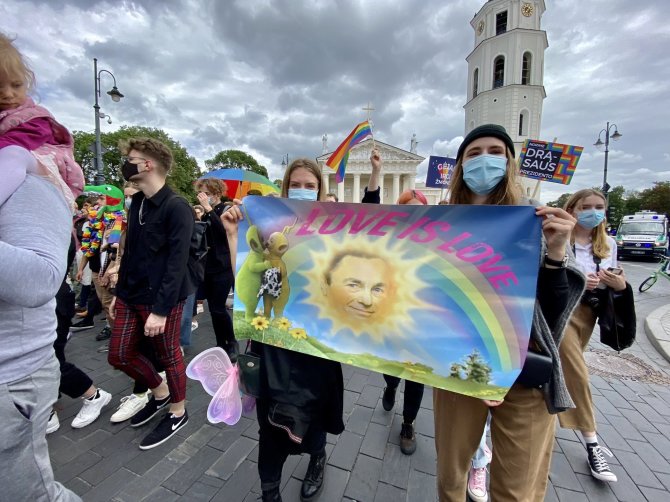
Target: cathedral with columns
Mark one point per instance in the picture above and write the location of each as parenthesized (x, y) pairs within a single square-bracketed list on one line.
[(504, 86)]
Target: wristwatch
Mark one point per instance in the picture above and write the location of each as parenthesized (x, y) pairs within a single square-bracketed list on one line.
[(556, 263)]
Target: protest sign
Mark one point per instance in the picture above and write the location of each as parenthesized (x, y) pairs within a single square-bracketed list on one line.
[(546, 161), (439, 171), (435, 294)]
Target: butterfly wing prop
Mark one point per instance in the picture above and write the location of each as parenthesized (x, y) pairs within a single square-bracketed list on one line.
[(219, 377)]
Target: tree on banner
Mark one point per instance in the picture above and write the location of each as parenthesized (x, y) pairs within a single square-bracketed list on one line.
[(338, 160)]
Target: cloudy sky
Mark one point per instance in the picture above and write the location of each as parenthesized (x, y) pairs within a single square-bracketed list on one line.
[(271, 77)]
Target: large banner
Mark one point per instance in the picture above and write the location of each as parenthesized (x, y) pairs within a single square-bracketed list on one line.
[(546, 161), (439, 171), (441, 295)]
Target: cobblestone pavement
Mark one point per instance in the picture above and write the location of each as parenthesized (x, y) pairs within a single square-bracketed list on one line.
[(217, 462)]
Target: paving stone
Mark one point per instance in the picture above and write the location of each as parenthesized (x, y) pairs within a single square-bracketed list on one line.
[(154, 476), (252, 430), (108, 465), (595, 490), (194, 468), (570, 496), (389, 493), (375, 440), (424, 458), (359, 420), (425, 423), (550, 495), (381, 416), (650, 413), (76, 466), (292, 491), (226, 436), (650, 456), (616, 399), (348, 402), (79, 486), (567, 434), (421, 486), (202, 436), (653, 495), (232, 458), (148, 459), (637, 470), (369, 396), (605, 406), (364, 478), (635, 417), (396, 467), (376, 379), (612, 438), (562, 475), (625, 428), (357, 382), (628, 394), (160, 494), (576, 455), (659, 405), (665, 479), (239, 484), (110, 486), (427, 400), (345, 451)]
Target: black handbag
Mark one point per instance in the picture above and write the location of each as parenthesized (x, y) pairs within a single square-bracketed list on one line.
[(617, 319), (250, 369), (536, 371)]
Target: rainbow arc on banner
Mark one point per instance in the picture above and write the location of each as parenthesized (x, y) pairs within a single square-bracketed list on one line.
[(338, 160)]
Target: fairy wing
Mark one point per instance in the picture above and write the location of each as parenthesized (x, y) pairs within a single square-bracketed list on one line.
[(210, 368), (226, 405)]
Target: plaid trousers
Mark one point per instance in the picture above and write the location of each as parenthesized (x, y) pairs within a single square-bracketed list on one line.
[(124, 348)]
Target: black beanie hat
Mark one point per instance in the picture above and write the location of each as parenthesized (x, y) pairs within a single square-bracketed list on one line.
[(484, 131)]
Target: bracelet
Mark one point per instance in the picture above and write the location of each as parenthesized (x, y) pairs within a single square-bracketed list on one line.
[(556, 263)]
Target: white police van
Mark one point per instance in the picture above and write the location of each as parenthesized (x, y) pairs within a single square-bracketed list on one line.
[(642, 234)]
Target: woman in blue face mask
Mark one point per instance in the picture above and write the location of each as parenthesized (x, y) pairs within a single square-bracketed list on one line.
[(595, 252), (301, 395), (522, 426)]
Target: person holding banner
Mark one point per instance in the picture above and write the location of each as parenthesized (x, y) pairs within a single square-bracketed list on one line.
[(522, 426), (301, 397), (595, 253)]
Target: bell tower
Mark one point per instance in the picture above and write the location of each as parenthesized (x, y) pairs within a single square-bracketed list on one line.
[(506, 70)]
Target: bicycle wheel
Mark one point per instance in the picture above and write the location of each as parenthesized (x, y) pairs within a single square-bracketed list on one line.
[(648, 282)]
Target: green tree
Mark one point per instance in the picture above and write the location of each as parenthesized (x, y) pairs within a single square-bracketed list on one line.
[(181, 178), (278, 182), (617, 205), (235, 159), (656, 198), (476, 368), (455, 370), (560, 202)]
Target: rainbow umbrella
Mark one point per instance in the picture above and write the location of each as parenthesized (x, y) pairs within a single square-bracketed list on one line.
[(240, 181)]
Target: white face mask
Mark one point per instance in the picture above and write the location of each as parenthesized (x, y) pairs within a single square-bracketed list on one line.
[(129, 201)]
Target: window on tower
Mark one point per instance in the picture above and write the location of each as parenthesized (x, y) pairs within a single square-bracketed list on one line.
[(525, 68), (499, 72), (501, 22), (475, 83), (523, 123)]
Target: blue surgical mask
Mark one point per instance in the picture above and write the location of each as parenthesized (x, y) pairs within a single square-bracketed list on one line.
[(129, 200), (483, 173), (591, 218), (302, 194)]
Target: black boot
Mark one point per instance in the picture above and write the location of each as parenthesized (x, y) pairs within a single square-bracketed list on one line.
[(313, 482), (388, 399), (271, 495)]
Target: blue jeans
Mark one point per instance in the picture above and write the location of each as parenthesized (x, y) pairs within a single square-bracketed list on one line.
[(480, 459), (186, 318), (25, 468)]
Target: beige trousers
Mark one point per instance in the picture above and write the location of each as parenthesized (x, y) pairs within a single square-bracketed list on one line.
[(522, 434), (576, 339), (104, 295)]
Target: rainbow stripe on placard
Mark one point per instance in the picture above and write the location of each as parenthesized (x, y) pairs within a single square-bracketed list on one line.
[(567, 165), (338, 160)]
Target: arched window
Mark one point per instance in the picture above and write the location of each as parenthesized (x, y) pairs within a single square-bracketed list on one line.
[(499, 72), (475, 83), (525, 68), (523, 123)]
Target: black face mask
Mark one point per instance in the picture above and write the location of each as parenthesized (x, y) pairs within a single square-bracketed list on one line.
[(128, 170)]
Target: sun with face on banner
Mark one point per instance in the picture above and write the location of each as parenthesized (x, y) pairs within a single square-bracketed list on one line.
[(366, 287)]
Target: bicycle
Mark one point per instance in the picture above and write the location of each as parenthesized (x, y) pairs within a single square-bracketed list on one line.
[(651, 280)]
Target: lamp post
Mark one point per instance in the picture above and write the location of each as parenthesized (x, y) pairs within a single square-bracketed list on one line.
[(599, 144), (116, 97)]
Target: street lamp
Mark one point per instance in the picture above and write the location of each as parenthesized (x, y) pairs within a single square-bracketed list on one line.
[(284, 161), (104, 115), (116, 97), (599, 145)]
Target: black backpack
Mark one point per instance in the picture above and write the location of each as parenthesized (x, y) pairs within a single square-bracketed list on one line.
[(197, 252)]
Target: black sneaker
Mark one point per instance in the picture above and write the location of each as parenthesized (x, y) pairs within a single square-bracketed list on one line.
[(105, 334), (407, 439), (81, 325), (388, 399), (165, 429), (150, 410), (599, 467)]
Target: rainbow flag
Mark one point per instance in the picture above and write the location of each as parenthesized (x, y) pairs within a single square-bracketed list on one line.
[(117, 229), (338, 160)]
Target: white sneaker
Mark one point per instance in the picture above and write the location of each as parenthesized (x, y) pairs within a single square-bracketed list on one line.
[(129, 406), (53, 424), (91, 409), (199, 309), (194, 325)]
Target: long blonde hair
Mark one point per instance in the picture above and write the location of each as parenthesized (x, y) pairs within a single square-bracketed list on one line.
[(303, 163), (507, 192), (13, 64), (600, 246)]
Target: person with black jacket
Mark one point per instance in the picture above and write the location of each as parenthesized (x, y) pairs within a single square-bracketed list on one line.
[(153, 284), (219, 277)]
